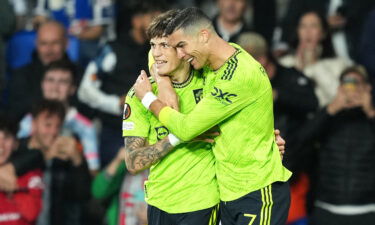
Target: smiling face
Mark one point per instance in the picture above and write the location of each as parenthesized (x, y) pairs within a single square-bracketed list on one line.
[(165, 56), (189, 48)]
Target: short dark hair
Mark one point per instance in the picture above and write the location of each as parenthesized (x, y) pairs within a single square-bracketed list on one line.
[(159, 25), (358, 69), (64, 65), (186, 18), (52, 107), (8, 125)]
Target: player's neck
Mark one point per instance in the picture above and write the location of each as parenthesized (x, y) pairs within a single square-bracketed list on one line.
[(181, 74), (220, 52)]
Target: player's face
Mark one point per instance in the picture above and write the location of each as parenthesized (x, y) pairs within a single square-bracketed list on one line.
[(58, 85), (189, 48), (7, 144), (165, 56), (310, 31), (45, 129)]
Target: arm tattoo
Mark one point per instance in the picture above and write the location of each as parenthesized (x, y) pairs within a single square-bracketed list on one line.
[(139, 157)]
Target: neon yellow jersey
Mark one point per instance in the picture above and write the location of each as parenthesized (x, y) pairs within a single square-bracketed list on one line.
[(184, 180), (238, 98)]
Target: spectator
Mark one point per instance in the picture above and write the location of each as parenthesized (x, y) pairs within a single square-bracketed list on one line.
[(59, 83), (314, 56), (230, 21), (25, 87), (91, 21), (110, 75), (66, 176), (344, 18), (7, 26), (22, 205), (294, 101), (345, 167), (125, 191)]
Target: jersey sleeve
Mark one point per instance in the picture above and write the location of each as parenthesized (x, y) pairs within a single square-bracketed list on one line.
[(135, 117), (228, 96)]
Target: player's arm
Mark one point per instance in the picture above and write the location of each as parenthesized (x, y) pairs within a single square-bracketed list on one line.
[(225, 99), (139, 156), (136, 128)]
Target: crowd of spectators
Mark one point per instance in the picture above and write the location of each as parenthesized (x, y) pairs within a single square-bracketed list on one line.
[(61, 149)]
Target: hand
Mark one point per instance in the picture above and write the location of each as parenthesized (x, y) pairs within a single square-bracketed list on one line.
[(208, 136), (142, 85), (280, 143), (8, 178), (157, 77), (65, 148), (166, 92), (339, 103)]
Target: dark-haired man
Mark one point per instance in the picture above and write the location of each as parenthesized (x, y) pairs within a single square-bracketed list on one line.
[(237, 97)]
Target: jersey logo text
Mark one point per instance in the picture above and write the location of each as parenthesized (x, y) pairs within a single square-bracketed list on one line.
[(127, 125), (223, 97)]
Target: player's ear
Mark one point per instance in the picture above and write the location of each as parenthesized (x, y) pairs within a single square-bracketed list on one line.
[(204, 35)]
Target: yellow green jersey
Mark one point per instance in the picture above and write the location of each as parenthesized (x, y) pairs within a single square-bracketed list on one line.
[(184, 180), (238, 98)]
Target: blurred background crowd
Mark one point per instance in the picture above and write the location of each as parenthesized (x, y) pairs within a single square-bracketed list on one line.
[(67, 65)]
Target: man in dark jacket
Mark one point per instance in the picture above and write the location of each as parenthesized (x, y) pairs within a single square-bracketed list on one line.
[(345, 131)]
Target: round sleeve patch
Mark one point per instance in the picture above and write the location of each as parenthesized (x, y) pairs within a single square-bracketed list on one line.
[(127, 111)]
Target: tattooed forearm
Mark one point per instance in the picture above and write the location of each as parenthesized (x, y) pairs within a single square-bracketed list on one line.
[(139, 157)]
